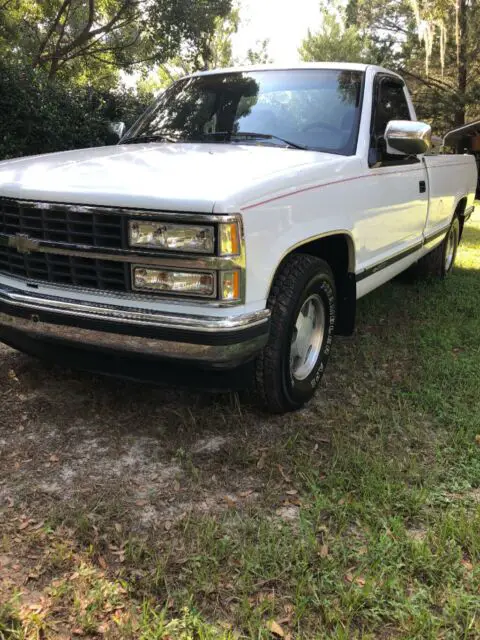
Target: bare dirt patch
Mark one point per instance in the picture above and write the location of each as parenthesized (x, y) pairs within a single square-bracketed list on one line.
[(71, 442)]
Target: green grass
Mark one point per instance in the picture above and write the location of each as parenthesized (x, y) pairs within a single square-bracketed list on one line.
[(386, 541)]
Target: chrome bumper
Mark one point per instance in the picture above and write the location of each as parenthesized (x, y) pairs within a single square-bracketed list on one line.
[(208, 340)]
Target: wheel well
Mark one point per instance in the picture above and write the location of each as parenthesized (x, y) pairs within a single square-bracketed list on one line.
[(338, 250)]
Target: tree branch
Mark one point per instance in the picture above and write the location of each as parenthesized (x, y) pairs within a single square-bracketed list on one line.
[(87, 34), (51, 31), (87, 49), (437, 84)]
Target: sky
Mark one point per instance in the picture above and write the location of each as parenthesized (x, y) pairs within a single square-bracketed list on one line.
[(284, 22)]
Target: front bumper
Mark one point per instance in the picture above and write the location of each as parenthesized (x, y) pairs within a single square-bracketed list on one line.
[(209, 341)]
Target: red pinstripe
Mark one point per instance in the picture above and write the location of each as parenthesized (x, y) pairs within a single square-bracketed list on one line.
[(342, 180)]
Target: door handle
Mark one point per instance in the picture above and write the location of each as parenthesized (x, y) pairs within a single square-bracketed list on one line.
[(422, 186)]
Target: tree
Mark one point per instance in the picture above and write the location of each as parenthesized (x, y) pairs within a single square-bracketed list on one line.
[(334, 41), (71, 36), (214, 49), (444, 79), (432, 19), (260, 54)]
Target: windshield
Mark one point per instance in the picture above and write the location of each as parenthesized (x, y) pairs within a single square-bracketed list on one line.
[(315, 109)]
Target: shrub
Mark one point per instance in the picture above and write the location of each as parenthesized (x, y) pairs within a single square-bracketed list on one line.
[(38, 116)]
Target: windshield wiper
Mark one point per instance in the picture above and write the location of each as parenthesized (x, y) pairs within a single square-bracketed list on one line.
[(157, 138), (248, 135)]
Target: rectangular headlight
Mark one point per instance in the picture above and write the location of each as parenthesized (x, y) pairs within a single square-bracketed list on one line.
[(171, 237), (181, 282)]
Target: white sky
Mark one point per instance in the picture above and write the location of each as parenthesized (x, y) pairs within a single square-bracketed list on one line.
[(284, 22)]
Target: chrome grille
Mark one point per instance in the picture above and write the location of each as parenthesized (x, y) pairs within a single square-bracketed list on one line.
[(58, 224)]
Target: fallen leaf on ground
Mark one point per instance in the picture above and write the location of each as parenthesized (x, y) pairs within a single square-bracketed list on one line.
[(291, 492), (275, 628), (102, 562), (13, 376), (283, 474), (54, 458), (323, 553), (477, 439), (467, 564), (358, 580), (261, 461), (245, 494)]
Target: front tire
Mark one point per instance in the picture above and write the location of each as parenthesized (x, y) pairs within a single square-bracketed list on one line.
[(303, 310)]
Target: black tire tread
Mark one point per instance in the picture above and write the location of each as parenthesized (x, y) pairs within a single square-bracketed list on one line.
[(282, 292), (432, 265)]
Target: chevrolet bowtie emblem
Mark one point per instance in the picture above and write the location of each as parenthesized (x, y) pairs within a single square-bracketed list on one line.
[(23, 243)]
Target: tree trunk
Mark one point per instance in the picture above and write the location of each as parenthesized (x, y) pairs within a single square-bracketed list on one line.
[(52, 72), (462, 69)]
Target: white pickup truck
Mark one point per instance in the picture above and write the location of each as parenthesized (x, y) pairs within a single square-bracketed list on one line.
[(235, 224)]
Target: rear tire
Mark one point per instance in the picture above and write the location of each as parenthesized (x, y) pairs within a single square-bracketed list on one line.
[(303, 310), (439, 262)]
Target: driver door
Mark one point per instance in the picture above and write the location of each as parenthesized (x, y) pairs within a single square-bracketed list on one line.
[(398, 198)]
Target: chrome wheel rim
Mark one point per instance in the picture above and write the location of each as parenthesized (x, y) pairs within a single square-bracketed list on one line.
[(307, 337), (450, 249)]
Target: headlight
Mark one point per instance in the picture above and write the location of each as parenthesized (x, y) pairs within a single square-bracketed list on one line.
[(181, 282), (171, 237)]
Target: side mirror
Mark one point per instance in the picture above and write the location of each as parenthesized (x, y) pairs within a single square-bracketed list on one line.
[(117, 129), (408, 137)]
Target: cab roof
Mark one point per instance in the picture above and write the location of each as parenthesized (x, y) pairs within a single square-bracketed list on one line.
[(346, 66)]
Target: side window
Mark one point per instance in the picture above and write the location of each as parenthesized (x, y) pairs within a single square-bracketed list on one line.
[(390, 104)]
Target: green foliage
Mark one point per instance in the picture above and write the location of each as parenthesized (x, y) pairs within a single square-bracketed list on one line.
[(259, 55), (40, 116), (90, 40), (334, 43)]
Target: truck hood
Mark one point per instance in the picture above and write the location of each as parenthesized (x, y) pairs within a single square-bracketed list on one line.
[(180, 177)]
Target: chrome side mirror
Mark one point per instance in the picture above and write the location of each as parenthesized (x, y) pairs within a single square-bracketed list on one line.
[(408, 137)]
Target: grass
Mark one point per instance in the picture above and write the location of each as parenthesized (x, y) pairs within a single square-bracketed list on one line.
[(374, 531)]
